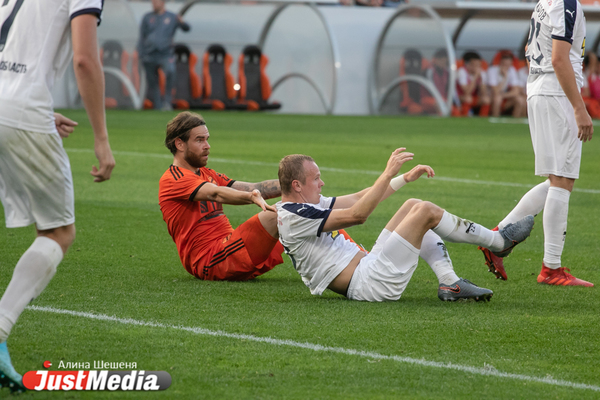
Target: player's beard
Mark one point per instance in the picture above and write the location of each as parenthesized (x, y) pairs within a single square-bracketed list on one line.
[(194, 160)]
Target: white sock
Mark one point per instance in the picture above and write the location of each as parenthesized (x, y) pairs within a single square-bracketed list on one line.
[(454, 229), (32, 274), (555, 225), (434, 252), (532, 203)]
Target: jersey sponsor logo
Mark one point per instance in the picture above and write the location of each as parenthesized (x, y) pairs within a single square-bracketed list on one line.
[(470, 228), (301, 209), (17, 68), (571, 12), (97, 380)]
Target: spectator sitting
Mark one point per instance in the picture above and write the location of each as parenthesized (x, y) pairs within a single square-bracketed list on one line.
[(472, 85), (507, 96), (438, 73)]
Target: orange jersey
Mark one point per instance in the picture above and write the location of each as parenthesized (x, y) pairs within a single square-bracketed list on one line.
[(194, 225)]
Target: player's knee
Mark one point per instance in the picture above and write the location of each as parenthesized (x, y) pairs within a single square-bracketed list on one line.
[(428, 211)]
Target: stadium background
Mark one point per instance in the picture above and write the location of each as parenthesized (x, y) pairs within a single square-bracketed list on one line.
[(122, 295)]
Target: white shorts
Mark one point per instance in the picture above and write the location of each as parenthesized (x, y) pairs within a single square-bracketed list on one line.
[(554, 136), (36, 185), (384, 273)]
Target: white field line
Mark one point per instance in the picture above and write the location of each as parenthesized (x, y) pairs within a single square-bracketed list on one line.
[(340, 170), (524, 121), (486, 371)]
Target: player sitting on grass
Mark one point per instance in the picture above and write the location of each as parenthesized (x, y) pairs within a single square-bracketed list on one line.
[(191, 198), (308, 223)]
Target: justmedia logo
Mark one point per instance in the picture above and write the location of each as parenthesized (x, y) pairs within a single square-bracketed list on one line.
[(97, 380)]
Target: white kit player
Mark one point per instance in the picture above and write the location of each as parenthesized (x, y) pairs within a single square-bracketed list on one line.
[(311, 231), (37, 41), (559, 123)]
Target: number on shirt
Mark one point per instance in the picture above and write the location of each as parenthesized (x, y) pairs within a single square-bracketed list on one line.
[(8, 23), (535, 32)]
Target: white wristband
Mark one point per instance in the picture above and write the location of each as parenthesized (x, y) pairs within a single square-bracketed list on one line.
[(397, 182)]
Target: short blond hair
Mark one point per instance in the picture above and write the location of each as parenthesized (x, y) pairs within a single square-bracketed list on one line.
[(291, 168)]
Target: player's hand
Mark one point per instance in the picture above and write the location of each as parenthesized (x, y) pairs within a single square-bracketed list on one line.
[(585, 127), (417, 171), (397, 159), (259, 201), (64, 125), (105, 160)]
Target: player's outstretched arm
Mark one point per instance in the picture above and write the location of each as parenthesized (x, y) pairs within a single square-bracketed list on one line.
[(360, 211), (90, 80), (349, 200), (268, 189), (566, 77), (227, 195)]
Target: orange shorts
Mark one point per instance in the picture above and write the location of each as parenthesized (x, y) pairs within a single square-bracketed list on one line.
[(249, 251)]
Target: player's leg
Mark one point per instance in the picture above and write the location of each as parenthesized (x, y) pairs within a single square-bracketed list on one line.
[(252, 249), (168, 67), (497, 104), (153, 89), (29, 195), (557, 155)]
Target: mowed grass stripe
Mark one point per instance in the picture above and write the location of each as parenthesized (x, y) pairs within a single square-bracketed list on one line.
[(328, 169), (317, 347)]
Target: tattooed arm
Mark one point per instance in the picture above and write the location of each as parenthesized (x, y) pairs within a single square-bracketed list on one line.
[(268, 189)]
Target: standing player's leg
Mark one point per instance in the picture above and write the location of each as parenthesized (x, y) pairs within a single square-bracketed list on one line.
[(531, 203), (43, 196), (558, 156)]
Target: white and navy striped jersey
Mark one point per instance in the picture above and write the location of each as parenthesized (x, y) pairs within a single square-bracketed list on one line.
[(554, 20), (35, 50), (318, 256)]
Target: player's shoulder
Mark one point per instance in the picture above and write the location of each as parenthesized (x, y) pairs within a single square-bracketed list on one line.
[(176, 174)]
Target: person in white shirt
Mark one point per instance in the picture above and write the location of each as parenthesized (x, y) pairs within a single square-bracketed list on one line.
[(37, 41), (309, 226), (472, 86), (507, 95), (559, 124)]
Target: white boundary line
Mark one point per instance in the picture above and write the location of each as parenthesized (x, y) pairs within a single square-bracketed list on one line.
[(340, 170), (486, 371), (524, 121)]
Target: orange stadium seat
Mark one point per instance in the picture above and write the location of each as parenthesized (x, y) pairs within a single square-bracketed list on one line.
[(188, 88), (255, 88), (116, 94), (218, 81)]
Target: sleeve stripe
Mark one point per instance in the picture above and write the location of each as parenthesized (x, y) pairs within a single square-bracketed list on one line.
[(570, 16), (195, 192), (95, 11), (178, 172), (327, 212), (171, 171), (564, 39), (231, 182), (332, 202)]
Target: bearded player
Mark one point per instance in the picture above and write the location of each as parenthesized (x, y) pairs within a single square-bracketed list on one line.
[(191, 199)]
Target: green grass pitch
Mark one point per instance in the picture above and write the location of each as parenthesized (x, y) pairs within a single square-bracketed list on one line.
[(124, 264)]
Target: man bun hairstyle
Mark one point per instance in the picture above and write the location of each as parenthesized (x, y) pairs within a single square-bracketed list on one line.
[(291, 168), (180, 127)]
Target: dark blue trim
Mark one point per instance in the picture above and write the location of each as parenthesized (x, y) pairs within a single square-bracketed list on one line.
[(96, 11), (564, 39), (327, 212), (332, 202), (570, 5)]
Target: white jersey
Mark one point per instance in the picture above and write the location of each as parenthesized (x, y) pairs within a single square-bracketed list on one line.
[(495, 78), (554, 20), (318, 256), (35, 50)]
